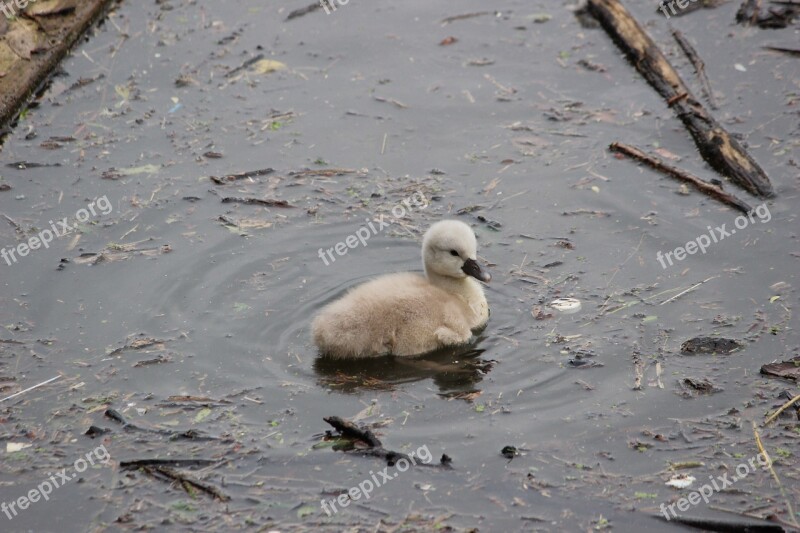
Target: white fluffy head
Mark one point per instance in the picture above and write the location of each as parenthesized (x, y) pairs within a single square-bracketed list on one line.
[(450, 249)]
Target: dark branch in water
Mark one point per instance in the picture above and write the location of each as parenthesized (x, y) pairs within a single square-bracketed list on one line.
[(139, 463), (720, 150), (188, 483), (189, 434), (697, 63), (348, 430), (266, 202), (703, 186), (241, 175)]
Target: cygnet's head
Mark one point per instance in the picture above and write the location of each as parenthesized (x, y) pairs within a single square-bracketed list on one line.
[(450, 249)]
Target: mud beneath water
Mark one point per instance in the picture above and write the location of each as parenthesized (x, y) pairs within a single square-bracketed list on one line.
[(189, 316)]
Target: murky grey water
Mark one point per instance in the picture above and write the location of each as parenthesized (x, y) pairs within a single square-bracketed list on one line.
[(231, 312)]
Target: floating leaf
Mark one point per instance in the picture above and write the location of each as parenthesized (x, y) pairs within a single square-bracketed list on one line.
[(12, 447), (145, 169), (202, 415), (325, 444), (122, 91), (184, 506), (306, 510), (265, 66)]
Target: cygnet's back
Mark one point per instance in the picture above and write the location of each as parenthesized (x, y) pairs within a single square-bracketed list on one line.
[(409, 314)]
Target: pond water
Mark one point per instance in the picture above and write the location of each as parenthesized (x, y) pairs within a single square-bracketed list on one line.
[(174, 293)]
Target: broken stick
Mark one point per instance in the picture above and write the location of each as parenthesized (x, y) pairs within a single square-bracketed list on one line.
[(697, 63), (349, 430), (187, 482), (716, 146), (703, 186)]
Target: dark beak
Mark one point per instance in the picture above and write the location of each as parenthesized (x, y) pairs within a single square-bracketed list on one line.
[(472, 268)]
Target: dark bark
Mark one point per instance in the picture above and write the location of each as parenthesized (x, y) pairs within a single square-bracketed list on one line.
[(716, 145), (703, 186)]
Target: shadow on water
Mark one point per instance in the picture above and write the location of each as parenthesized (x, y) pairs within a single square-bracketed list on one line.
[(456, 371)]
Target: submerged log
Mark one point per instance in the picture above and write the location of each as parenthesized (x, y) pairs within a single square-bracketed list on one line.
[(721, 151)]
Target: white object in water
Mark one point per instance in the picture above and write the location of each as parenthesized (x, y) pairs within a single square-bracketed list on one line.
[(681, 481), (566, 305)]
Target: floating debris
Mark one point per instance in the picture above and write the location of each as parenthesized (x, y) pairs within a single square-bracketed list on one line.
[(509, 452), (702, 385), (566, 305), (681, 481), (712, 345), (787, 369), (12, 447), (266, 202), (239, 175)]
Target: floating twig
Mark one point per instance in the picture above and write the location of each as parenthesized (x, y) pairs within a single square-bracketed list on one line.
[(785, 406), (697, 63), (790, 51), (304, 10), (189, 434), (138, 463), (241, 175), (454, 18), (775, 475), (185, 481), (14, 224), (693, 287), (137, 344), (266, 202), (29, 389), (326, 172), (349, 430), (246, 64), (703, 186), (716, 524)]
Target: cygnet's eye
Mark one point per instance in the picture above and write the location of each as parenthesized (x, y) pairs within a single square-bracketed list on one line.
[(453, 253)]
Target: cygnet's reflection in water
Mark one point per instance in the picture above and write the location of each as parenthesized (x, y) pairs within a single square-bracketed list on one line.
[(455, 370)]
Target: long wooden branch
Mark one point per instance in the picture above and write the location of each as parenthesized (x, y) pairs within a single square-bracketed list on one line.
[(703, 186), (716, 146)]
